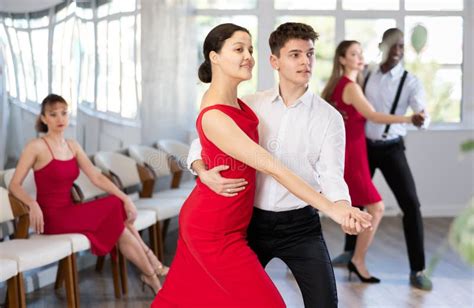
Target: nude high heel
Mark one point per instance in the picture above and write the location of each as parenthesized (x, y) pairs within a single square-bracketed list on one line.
[(160, 269), (144, 279)]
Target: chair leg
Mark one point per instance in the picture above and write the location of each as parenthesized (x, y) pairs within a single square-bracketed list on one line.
[(99, 265), (166, 224), (59, 275), (159, 241), (76, 280), (123, 272), (154, 240), (12, 292), (69, 279), (21, 291), (115, 274)]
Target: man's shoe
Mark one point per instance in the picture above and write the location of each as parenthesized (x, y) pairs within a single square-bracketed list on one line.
[(343, 259), (420, 281)]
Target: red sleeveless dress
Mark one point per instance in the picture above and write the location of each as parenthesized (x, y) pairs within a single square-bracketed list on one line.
[(101, 220), (356, 167), (213, 265)]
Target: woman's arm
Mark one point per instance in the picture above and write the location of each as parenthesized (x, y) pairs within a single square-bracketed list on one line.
[(101, 181), (353, 94), (227, 136), (25, 163)]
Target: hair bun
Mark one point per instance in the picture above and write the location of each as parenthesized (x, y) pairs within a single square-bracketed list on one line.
[(205, 72)]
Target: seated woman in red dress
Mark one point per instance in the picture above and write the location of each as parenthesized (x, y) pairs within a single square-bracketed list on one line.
[(106, 222), (344, 92)]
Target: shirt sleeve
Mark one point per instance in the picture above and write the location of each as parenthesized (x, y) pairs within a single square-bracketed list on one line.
[(330, 165), (194, 154), (417, 101)]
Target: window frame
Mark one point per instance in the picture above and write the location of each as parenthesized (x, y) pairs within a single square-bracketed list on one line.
[(266, 15)]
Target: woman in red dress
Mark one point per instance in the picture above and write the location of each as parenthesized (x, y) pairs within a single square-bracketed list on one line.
[(213, 265), (106, 222), (344, 92)]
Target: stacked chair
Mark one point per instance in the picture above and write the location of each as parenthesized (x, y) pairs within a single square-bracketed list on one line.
[(178, 151)]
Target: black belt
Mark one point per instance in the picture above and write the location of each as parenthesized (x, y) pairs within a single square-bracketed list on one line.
[(380, 143), (303, 212)]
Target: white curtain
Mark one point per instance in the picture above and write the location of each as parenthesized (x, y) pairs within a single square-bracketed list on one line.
[(169, 73), (3, 110)]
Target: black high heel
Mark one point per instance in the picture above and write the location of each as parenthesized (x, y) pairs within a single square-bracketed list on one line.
[(353, 269)]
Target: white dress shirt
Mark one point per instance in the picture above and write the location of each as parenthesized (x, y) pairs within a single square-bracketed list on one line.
[(381, 90), (308, 137)]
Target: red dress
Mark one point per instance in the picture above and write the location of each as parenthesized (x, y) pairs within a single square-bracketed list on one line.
[(213, 265), (102, 220), (356, 169)]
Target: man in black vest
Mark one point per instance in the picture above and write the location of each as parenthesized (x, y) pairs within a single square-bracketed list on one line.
[(391, 89)]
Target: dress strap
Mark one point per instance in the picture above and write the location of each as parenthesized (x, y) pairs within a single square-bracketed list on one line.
[(49, 148)]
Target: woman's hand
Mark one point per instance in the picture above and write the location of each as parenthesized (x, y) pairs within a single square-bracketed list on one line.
[(130, 209), (350, 218), (36, 218)]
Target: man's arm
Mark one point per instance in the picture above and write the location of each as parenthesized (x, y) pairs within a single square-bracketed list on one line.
[(417, 102), (212, 178), (330, 165)]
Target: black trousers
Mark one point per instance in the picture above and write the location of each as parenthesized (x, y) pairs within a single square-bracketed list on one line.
[(392, 162), (296, 238)]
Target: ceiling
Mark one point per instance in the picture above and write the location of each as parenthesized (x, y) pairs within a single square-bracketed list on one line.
[(22, 6)]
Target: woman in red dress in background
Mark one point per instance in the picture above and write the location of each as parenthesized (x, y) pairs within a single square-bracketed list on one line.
[(106, 222), (344, 92), (213, 265)]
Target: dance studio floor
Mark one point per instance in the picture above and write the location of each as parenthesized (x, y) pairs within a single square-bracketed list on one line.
[(453, 280)]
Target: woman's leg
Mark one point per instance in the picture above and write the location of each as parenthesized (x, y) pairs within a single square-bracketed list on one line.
[(159, 268), (365, 238), (133, 251)]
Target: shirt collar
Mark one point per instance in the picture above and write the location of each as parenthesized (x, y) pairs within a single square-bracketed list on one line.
[(396, 71), (304, 99)]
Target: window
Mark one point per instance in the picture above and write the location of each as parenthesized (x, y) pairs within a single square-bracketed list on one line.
[(440, 69), (83, 44)]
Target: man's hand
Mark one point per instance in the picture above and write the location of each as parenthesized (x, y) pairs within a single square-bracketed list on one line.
[(225, 187), (418, 119)]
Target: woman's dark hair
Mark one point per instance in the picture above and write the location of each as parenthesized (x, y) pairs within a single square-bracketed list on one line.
[(214, 42), (49, 100)]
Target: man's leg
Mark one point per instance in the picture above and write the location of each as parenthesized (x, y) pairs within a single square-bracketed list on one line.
[(398, 176), (301, 246), (260, 237)]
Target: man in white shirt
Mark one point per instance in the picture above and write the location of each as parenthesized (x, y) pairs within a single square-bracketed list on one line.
[(386, 149), (307, 134)]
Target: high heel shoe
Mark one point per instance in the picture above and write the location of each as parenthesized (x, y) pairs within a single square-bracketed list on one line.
[(160, 269), (144, 278), (353, 269)]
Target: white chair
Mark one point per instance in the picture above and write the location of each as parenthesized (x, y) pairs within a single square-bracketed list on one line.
[(145, 220), (179, 152), (157, 161), (31, 253), (124, 170)]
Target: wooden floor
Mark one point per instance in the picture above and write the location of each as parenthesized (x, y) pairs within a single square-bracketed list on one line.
[(453, 280)]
